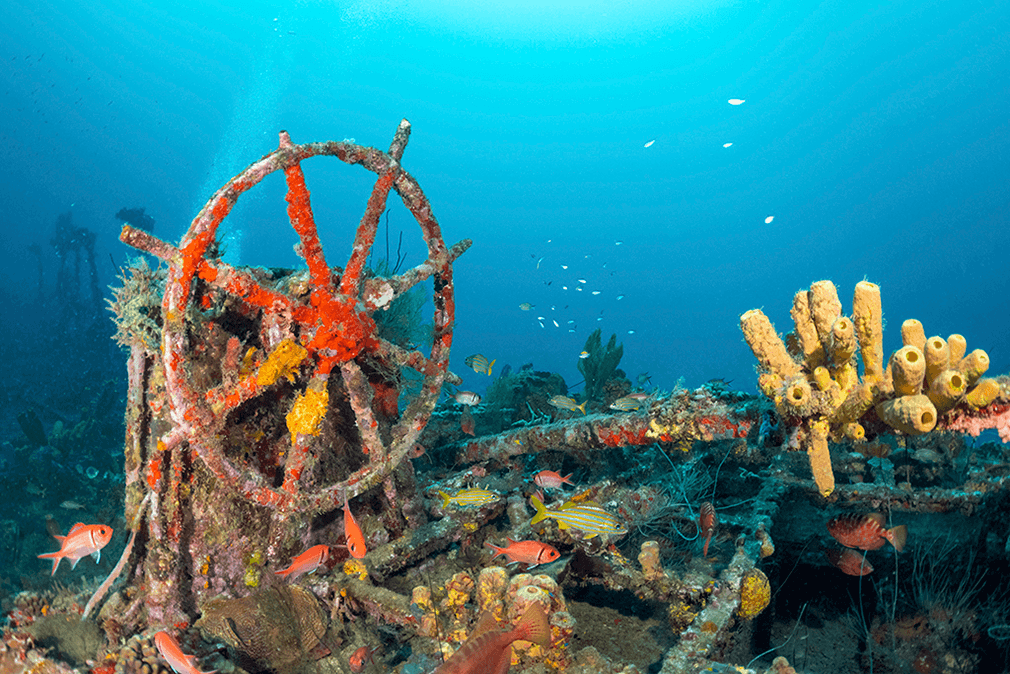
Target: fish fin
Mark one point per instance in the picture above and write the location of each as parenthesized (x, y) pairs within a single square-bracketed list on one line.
[(568, 479), (582, 407), (498, 663), (485, 624), (73, 563), (56, 557), (491, 365), (704, 550), (541, 510), (445, 498), (878, 518), (58, 537), (899, 535), (533, 626), (497, 550), (97, 554)]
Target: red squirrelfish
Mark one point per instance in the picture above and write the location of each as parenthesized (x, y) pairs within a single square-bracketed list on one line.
[(173, 655), (849, 561), (549, 479), (307, 562), (82, 540), (866, 532), (489, 648), (360, 658), (355, 539), (532, 553), (706, 521), (466, 422)]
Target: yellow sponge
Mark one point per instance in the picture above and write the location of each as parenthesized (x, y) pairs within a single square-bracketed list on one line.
[(912, 334), (946, 389), (908, 368), (913, 415), (868, 319), (986, 391), (766, 344)]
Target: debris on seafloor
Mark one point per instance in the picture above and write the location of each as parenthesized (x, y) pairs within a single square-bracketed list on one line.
[(264, 406)]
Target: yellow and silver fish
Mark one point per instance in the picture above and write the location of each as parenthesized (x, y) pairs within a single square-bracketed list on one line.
[(566, 403), (626, 404), (468, 498), (587, 517), (526, 306), (479, 363)]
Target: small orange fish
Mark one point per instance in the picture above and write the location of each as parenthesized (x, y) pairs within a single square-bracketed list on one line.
[(360, 658), (173, 655), (849, 561), (82, 540), (489, 648), (355, 539), (466, 422), (307, 562), (706, 521), (532, 553), (550, 479), (866, 532)]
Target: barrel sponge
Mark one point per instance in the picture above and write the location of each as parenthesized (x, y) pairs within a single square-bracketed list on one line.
[(937, 354), (868, 319), (825, 307), (946, 389), (912, 415), (806, 333), (958, 347), (912, 334), (766, 344), (820, 457), (973, 365), (984, 393), (908, 369)]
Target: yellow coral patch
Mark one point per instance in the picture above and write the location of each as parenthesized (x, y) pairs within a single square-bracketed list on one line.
[(755, 594), (308, 410), (282, 362), (353, 567)]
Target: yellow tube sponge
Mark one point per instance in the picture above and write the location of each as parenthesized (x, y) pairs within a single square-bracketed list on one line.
[(820, 457), (986, 391), (868, 319), (908, 369), (825, 307), (843, 340), (946, 389), (973, 365), (855, 405), (797, 397), (766, 344), (912, 334), (806, 332), (937, 355), (958, 347), (912, 415)]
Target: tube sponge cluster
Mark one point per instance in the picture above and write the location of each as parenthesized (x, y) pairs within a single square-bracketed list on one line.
[(813, 379)]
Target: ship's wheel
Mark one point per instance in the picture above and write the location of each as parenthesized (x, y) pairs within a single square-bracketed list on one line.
[(320, 328)]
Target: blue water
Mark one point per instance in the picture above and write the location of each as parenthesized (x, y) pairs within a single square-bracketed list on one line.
[(875, 134)]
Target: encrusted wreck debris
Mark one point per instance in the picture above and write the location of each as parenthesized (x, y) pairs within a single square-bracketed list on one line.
[(264, 402)]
